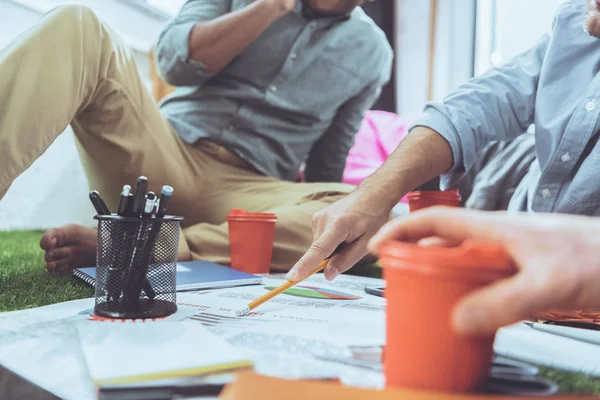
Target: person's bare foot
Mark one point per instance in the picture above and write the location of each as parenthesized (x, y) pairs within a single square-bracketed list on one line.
[(69, 247)]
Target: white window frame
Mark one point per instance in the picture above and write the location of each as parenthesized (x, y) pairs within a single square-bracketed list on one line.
[(454, 51)]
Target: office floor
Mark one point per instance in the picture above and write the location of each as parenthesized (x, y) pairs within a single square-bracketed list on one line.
[(25, 284)]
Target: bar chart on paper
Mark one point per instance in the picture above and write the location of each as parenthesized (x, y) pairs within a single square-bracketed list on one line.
[(317, 293), (224, 321)]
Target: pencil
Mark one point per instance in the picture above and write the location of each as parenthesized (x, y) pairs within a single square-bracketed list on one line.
[(278, 290)]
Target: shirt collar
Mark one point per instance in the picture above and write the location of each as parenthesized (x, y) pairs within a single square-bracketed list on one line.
[(310, 14)]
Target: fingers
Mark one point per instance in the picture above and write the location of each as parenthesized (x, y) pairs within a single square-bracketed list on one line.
[(346, 259), (449, 224), (319, 250), (503, 303)]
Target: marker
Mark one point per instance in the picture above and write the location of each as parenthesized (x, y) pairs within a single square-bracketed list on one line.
[(150, 204), (124, 201), (140, 195), (583, 335), (129, 208), (98, 203), (165, 194)]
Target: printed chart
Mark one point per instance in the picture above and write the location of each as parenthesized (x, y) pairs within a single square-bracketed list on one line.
[(317, 293)]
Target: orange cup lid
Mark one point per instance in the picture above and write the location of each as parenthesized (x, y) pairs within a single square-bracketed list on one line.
[(448, 194), (471, 259), (238, 214)]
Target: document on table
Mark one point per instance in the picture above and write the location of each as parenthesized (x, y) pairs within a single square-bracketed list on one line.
[(279, 336)]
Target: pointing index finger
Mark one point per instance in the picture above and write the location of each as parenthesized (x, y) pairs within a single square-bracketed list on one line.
[(321, 249)]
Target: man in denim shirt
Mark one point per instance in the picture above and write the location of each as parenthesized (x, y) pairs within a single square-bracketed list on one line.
[(263, 86), (555, 86)]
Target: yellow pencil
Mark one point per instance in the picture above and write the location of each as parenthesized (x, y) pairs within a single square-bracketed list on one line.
[(277, 291)]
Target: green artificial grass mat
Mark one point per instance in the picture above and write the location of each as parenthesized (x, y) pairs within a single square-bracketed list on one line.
[(25, 284)]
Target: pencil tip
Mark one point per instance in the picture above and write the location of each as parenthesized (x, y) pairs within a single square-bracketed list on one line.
[(242, 312)]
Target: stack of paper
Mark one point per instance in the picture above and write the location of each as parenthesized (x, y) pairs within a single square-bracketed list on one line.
[(117, 353)]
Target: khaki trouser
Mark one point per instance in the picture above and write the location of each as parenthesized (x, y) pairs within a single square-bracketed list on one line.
[(70, 68)]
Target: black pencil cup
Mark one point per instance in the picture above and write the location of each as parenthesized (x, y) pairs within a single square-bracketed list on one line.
[(136, 264)]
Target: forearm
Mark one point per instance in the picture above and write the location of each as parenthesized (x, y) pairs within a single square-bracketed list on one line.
[(217, 42), (422, 156)]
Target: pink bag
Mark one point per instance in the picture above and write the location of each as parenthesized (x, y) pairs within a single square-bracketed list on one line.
[(379, 135)]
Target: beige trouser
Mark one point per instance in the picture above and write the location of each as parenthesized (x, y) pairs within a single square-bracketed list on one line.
[(70, 68)]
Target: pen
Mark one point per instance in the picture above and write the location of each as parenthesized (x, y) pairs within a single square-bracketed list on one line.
[(124, 201), (583, 335), (98, 203), (150, 203), (142, 253), (165, 194), (282, 288), (140, 196)]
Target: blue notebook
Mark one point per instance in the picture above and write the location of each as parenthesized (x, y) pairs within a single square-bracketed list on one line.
[(192, 275)]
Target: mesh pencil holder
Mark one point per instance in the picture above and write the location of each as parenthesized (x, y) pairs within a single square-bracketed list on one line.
[(136, 264)]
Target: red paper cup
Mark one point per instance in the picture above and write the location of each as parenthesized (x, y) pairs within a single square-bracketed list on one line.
[(429, 198), (423, 284), (251, 237)]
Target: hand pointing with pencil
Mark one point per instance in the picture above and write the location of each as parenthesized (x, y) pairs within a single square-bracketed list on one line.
[(287, 285)]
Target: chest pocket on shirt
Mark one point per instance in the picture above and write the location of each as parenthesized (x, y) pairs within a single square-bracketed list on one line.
[(327, 79)]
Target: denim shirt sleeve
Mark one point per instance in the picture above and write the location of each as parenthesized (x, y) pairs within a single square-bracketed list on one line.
[(327, 159), (498, 105), (172, 51)]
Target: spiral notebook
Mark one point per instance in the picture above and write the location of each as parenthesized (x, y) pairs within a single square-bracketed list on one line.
[(192, 275)]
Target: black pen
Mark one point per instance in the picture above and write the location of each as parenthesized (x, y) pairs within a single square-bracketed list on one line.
[(140, 196), (98, 203), (124, 201), (165, 194)]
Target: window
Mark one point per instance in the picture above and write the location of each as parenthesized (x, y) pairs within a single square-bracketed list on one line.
[(506, 28), (167, 7)]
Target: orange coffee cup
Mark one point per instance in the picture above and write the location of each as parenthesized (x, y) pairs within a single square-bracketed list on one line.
[(429, 198), (251, 237), (423, 284)]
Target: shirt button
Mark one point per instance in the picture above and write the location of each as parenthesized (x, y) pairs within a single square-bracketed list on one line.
[(546, 193), (590, 105), (273, 88), (566, 157), (293, 56), (313, 24)]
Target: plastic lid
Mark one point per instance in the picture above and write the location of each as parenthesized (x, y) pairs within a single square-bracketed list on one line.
[(449, 194), (239, 214), (471, 259)]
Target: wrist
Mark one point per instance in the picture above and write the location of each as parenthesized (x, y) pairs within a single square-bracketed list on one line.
[(380, 197)]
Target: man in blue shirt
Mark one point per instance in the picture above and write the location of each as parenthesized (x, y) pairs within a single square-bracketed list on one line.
[(263, 86), (555, 86)]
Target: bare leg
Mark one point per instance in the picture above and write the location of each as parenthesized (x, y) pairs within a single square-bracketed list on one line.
[(91, 82)]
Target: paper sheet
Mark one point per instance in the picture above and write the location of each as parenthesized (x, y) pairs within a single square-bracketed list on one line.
[(41, 344)]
